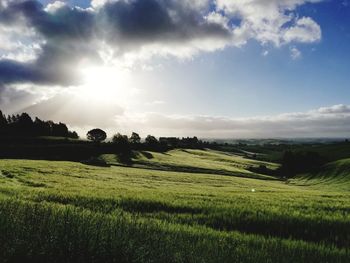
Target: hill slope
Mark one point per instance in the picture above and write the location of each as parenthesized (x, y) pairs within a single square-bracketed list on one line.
[(333, 175), (196, 161), (69, 212)]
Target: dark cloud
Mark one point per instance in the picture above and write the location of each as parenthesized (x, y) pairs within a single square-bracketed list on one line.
[(70, 34), (12, 71), (66, 34), (153, 20), (54, 66)]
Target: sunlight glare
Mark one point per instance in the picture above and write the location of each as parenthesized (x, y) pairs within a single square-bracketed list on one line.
[(106, 84)]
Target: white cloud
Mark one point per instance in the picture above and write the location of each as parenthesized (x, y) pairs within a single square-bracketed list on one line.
[(53, 7), (120, 30), (217, 18), (98, 3), (82, 113), (265, 53), (331, 121), (295, 53), (305, 30), (271, 21), (19, 43)]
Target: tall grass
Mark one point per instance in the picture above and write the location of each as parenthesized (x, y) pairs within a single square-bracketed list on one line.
[(69, 212), (55, 233)]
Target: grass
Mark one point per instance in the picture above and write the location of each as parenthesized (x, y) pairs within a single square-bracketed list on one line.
[(157, 212), (274, 152), (196, 161), (334, 176)]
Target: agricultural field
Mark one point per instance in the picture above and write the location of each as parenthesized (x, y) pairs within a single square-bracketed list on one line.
[(195, 161), (177, 206)]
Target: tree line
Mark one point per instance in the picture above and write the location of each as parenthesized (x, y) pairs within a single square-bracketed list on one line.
[(24, 125), (297, 162), (97, 135)]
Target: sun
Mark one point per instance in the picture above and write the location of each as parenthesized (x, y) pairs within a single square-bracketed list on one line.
[(106, 84)]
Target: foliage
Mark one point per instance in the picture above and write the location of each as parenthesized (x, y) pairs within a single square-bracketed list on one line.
[(23, 125), (120, 139), (96, 135), (123, 148), (300, 162), (151, 140), (185, 142), (135, 138)]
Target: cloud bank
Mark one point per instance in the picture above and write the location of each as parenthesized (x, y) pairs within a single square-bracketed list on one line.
[(333, 121), (52, 41)]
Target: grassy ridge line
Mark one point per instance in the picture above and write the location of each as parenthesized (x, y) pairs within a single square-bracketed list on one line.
[(334, 176), (59, 233), (196, 161)]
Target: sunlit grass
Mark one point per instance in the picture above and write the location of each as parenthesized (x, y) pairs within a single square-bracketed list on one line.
[(196, 161), (87, 213)]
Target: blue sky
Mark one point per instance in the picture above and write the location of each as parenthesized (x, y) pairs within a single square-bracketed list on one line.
[(232, 74), (242, 82)]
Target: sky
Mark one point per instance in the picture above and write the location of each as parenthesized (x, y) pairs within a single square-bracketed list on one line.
[(210, 68)]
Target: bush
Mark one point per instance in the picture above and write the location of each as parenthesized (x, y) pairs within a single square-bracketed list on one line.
[(95, 161)]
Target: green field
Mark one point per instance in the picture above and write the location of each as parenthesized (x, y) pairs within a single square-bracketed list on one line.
[(178, 206)]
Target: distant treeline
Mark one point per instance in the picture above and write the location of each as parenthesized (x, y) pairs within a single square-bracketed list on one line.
[(297, 162), (23, 125), (23, 137)]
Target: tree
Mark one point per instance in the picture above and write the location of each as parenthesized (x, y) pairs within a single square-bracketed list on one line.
[(3, 123), (135, 138), (42, 128), (3, 120), (151, 140), (73, 135), (120, 139), (59, 129), (300, 162), (24, 125), (96, 135)]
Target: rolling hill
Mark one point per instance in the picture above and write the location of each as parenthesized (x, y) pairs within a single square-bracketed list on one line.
[(157, 211)]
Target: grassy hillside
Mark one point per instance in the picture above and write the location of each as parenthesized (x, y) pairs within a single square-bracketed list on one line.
[(274, 152), (333, 175), (70, 212), (196, 161)]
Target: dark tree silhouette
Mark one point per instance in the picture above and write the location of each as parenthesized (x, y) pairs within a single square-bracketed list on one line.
[(300, 162), (120, 139), (59, 129), (151, 140), (23, 125), (73, 135), (135, 138), (96, 135), (3, 120), (122, 147), (42, 128)]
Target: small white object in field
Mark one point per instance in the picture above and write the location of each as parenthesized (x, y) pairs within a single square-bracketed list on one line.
[(253, 190)]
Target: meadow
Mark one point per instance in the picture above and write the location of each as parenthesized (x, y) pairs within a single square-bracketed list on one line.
[(177, 206)]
